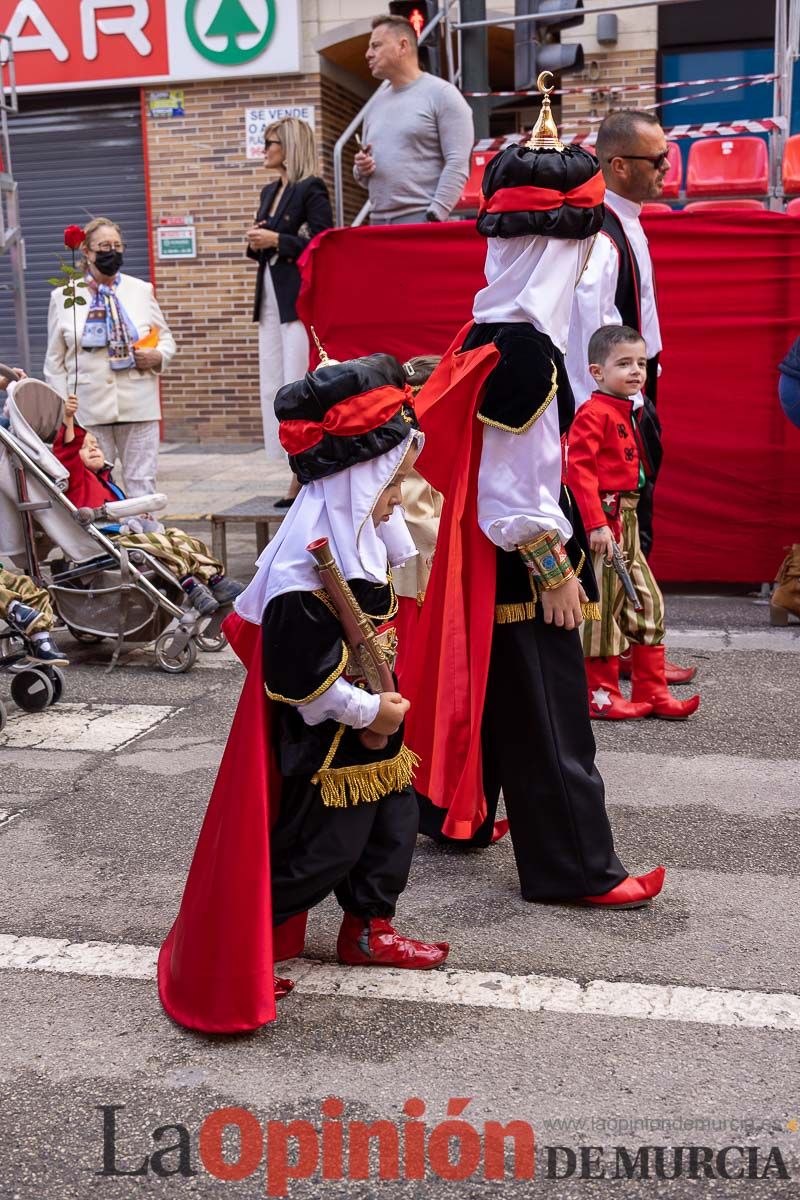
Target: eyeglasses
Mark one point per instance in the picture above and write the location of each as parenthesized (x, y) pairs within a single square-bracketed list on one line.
[(656, 160), (108, 246), (272, 142)]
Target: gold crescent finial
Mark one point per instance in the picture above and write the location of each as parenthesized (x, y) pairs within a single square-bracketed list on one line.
[(324, 360), (544, 135)]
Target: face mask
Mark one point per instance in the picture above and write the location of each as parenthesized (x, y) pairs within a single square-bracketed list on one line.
[(108, 262)]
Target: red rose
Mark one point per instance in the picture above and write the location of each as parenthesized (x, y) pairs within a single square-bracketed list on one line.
[(73, 237)]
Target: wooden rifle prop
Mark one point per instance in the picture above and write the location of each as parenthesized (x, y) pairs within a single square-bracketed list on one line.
[(359, 632)]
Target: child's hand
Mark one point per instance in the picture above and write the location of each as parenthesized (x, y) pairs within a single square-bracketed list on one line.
[(602, 540), (70, 409), (390, 714)]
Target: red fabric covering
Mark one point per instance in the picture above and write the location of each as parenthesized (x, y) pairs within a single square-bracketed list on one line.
[(728, 495), (447, 670), (215, 969), (85, 489)]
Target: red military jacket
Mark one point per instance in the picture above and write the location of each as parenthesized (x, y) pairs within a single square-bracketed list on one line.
[(604, 456)]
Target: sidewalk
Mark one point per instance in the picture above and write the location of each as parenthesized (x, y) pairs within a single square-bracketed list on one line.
[(203, 479)]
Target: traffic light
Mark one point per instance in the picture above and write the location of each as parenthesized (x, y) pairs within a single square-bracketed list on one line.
[(536, 43), (420, 13)]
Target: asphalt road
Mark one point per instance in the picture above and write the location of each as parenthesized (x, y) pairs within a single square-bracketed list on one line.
[(103, 797)]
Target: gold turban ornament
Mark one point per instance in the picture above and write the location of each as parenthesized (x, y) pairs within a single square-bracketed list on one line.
[(544, 135)]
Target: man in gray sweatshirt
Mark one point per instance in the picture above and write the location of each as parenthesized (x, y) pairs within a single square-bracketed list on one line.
[(417, 134)]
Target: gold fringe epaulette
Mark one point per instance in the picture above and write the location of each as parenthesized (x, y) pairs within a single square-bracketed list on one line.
[(511, 614), (591, 611), (342, 787)]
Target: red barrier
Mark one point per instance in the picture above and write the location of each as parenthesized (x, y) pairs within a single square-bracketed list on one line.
[(728, 498)]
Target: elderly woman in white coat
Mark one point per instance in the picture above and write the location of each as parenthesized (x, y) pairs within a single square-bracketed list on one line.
[(123, 345)]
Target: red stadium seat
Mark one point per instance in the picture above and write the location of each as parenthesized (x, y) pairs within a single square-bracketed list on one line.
[(674, 176), (793, 208), (791, 165), (470, 198), (727, 166), (724, 205), (655, 207)]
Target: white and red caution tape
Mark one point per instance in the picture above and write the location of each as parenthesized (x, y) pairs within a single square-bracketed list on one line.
[(708, 129), (743, 80)]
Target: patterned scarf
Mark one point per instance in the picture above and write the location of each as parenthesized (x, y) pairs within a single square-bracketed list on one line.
[(108, 324)]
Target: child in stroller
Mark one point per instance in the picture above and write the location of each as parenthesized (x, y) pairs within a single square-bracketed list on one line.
[(27, 611), (201, 575)]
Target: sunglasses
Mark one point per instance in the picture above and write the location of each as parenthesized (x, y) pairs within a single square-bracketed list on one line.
[(271, 142), (656, 160)]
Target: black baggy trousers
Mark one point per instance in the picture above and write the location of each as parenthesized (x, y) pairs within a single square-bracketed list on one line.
[(362, 854), (538, 747)]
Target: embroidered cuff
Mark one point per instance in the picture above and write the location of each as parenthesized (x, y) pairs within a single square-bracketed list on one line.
[(547, 560)]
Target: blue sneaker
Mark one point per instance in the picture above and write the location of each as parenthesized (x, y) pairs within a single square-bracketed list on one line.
[(21, 617)]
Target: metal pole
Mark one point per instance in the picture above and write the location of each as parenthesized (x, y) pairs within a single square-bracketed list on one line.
[(475, 64), (621, 6)]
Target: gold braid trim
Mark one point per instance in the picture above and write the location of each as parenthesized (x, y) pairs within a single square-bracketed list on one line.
[(591, 611), (524, 428), (334, 675), (322, 595), (511, 614), (329, 757), (344, 787)]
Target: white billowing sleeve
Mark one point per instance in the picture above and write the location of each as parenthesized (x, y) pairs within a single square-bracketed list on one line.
[(342, 702), (519, 483), (592, 306)]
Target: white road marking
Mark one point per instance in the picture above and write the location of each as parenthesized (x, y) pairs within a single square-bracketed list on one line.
[(472, 989), (779, 641), (94, 727)]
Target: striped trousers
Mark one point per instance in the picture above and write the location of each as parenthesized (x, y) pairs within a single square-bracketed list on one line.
[(21, 587), (180, 553), (620, 623)]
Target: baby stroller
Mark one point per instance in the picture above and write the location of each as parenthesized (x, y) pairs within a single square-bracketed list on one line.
[(34, 686), (99, 589)]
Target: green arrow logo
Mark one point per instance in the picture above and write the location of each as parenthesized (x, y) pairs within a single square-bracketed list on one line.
[(231, 22)]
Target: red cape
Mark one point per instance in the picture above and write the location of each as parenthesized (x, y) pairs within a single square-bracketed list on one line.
[(215, 969), (446, 672)]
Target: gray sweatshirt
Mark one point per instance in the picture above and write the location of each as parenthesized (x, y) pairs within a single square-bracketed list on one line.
[(421, 136)]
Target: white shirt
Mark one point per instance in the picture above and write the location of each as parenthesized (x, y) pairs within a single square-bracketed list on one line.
[(593, 304), (528, 279)]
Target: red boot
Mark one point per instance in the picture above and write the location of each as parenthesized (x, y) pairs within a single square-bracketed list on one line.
[(633, 892), (375, 943), (672, 672), (606, 702), (650, 685), (282, 987)]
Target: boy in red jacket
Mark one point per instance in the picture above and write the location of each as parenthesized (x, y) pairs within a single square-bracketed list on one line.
[(606, 470), (91, 486)]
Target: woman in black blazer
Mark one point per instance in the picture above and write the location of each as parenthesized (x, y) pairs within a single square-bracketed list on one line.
[(292, 211)]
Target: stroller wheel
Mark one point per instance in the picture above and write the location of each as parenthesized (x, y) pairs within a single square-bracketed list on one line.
[(31, 690), (211, 644), (184, 660), (56, 677)]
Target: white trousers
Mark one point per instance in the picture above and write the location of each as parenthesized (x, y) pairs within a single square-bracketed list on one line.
[(135, 443), (282, 358)]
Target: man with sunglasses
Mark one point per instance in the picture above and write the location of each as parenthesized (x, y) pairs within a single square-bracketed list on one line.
[(617, 288)]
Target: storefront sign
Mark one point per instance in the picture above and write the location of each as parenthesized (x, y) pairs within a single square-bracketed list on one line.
[(166, 104), (176, 241), (257, 119), (101, 43)]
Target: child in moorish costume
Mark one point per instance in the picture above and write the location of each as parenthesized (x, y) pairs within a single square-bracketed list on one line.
[(344, 815), (606, 471), (201, 575), (497, 681)]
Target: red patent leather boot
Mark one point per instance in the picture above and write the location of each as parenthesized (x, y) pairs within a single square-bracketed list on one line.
[(650, 685), (633, 892), (672, 672), (282, 987), (606, 702), (375, 943)]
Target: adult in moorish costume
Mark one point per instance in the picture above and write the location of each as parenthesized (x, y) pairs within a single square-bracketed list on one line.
[(618, 288), (496, 677), (314, 791)]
